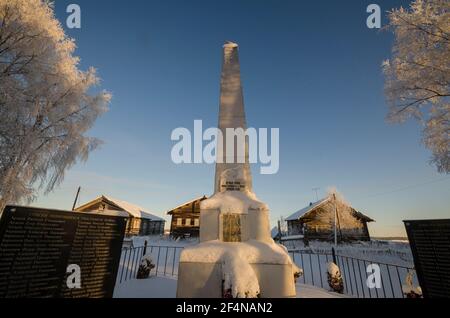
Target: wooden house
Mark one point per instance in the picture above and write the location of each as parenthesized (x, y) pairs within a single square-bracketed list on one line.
[(140, 221), (185, 219), (317, 222)]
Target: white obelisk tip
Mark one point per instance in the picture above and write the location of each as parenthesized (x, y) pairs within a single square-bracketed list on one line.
[(229, 44)]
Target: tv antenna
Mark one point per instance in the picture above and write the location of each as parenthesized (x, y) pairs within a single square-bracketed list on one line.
[(315, 190)]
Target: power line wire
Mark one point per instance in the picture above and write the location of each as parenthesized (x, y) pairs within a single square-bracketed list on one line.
[(407, 187)]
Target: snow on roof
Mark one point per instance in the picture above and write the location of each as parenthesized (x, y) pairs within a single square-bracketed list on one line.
[(110, 212), (309, 208), (363, 217), (297, 215), (133, 209), (274, 232), (186, 203)]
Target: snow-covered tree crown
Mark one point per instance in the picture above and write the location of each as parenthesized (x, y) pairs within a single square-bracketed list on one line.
[(45, 108), (418, 74)]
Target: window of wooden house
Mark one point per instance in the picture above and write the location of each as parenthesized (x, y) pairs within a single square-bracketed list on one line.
[(179, 221), (151, 227), (188, 222), (144, 227), (197, 222), (231, 227)]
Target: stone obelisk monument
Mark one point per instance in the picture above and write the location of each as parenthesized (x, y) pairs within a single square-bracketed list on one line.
[(231, 115), (236, 255)]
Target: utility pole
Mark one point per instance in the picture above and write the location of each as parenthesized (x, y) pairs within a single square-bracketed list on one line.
[(335, 220), (337, 223), (76, 199)]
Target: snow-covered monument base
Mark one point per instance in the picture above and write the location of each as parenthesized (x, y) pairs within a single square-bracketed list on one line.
[(268, 275), (236, 256)]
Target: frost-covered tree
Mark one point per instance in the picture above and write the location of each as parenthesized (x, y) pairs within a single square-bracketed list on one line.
[(45, 107), (418, 74)]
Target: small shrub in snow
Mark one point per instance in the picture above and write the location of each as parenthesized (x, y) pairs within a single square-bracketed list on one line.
[(145, 267), (335, 280)]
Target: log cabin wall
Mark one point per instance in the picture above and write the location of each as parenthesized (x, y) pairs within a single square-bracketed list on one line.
[(150, 227), (319, 224), (132, 227), (295, 227), (135, 226), (185, 221), (144, 227)]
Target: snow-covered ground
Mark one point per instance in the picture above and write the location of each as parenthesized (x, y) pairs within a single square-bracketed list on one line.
[(165, 254), (354, 265), (391, 252), (353, 260), (165, 287), (153, 287), (308, 291), (158, 240)]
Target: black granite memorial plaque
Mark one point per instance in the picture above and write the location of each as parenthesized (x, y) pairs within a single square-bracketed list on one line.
[(430, 246), (38, 245)]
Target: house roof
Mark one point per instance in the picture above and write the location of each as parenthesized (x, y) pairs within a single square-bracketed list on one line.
[(299, 214), (186, 203), (133, 209), (274, 232), (303, 212), (363, 217)]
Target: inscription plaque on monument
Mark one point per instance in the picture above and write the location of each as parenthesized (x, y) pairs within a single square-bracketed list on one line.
[(430, 246), (231, 227), (37, 246)]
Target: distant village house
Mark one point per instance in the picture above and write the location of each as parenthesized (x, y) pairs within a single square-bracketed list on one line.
[(185, 219), (317, 222), (140, 221)]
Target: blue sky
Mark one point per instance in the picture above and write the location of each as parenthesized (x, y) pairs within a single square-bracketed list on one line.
[(311, 69)]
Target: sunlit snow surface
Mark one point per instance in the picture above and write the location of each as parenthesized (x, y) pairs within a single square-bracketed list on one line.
[(162, 287)]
